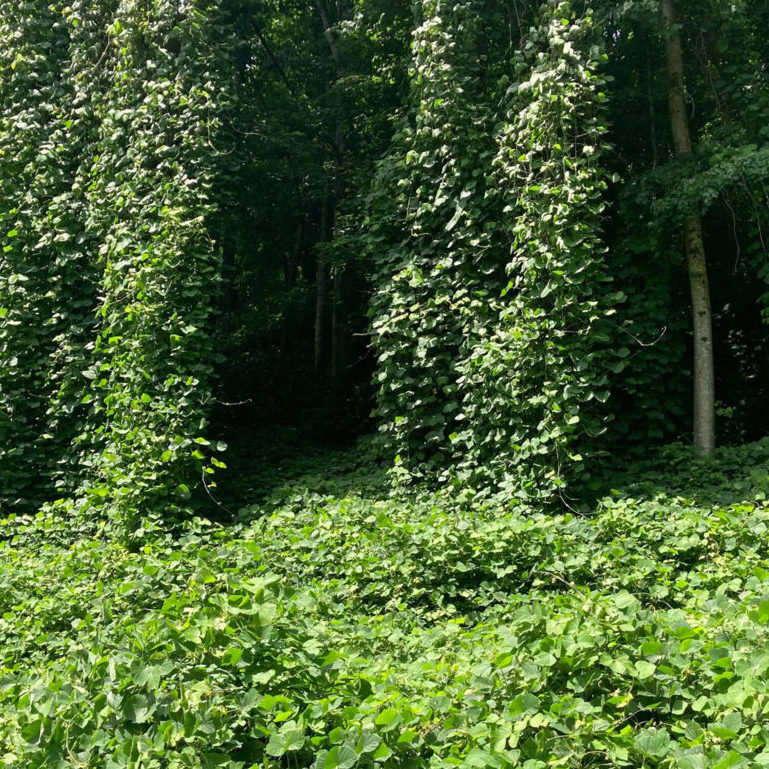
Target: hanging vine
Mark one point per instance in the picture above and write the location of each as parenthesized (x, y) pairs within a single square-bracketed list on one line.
[(490, 320), (109, 275)]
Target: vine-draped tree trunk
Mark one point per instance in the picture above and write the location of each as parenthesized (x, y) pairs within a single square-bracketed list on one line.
[(704, 381)]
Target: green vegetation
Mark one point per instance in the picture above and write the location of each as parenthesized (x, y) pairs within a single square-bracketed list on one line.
[(495, 226), (338, 625), (383, 384)]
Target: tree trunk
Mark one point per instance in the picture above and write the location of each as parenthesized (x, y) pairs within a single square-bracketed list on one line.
[(704, 380), (329, 32), (320, 285), (650, 107), (340, 148), (336, 328)]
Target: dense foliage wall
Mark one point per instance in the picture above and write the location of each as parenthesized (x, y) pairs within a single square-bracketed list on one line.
[(109, 276), (47, 275), (490, 314), (247, 210), (159, 267)]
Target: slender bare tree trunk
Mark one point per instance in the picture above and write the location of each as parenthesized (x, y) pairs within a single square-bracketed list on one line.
[(336, 327), (329, 32), (320, 285), (650, 106), (704, 380), (337, 298)]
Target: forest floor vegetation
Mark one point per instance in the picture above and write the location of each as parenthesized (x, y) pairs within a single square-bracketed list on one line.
[(339, 622)]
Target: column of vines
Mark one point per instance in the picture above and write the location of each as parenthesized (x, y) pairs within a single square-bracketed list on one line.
[(74, 248), (490, 318), (46, 280), (534, 391), (431, 232), (148, 201), (107, 273)]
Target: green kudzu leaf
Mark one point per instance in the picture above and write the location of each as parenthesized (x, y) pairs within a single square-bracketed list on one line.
[(347, 757), (732, 758), (33, 731), (723, 733), (644, 669), (382, 753), (266, 614), (276, 746), (623, 599), (232, 656), (653, 742), (368, 742), (337, 758), (147, 675), (294, 740), (728, 728), (138, 708), (389, 718)]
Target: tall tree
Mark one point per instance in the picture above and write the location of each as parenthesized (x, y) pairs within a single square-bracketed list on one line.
[(704, 379)]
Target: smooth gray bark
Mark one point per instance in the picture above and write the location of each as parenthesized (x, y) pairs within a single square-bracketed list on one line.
[(704, 378)]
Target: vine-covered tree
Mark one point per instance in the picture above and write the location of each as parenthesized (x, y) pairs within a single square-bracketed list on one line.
[(493, 210)]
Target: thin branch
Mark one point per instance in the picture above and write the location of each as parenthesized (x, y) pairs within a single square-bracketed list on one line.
[(329, 32)]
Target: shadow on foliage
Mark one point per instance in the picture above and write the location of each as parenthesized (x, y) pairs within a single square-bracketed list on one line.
[(267, 466)]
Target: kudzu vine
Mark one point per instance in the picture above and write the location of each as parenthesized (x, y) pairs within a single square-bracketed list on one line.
[(46, 283), (148, 206), (109, 276), (494, 311), (492, 331)]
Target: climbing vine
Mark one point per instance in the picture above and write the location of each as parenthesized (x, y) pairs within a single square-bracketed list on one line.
[(492, 333), (148, 205), (46, 282), (109, 275), (432, 231)]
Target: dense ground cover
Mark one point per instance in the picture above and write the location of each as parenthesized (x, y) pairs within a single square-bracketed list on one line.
[(339, 623)]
